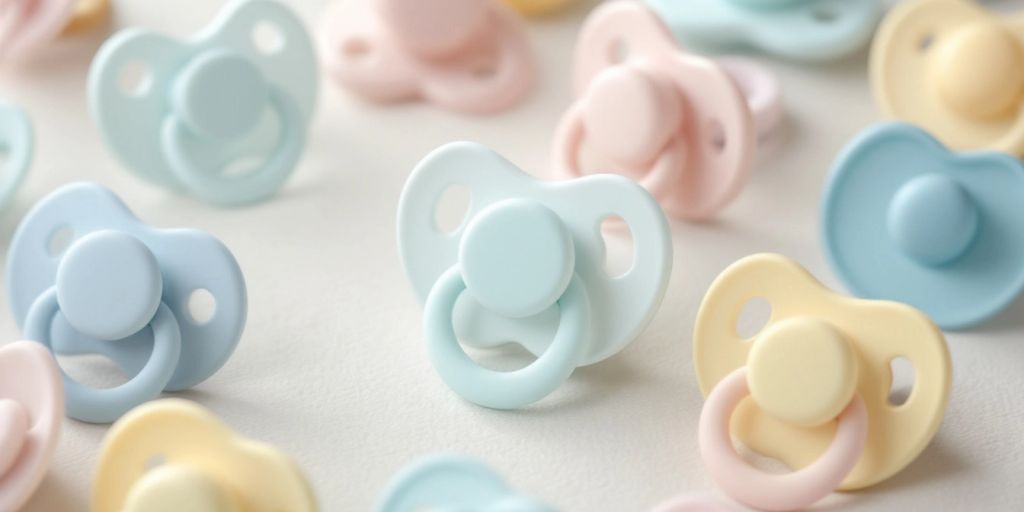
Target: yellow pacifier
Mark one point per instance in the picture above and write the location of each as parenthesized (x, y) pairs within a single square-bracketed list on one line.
[(954, 69), (173, 455), (537, 7)]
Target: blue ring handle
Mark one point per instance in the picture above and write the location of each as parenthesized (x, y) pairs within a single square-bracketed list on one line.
[(209, 185), (95, 405), (504, 390)]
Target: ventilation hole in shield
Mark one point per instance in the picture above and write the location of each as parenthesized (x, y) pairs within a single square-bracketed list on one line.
[(202, 306), (452, 209), (754, 316), (903, 376), (59, 241), (618, 245)]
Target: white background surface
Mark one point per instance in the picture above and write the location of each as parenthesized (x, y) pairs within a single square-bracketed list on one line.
[(332, 366)]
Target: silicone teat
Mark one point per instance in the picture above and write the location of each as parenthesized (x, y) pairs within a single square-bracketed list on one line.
[(175, 488), (980, 70), (14, 425), (437, 28)]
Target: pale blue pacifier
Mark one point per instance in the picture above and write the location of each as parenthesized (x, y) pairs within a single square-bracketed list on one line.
[(85, 276), (527, 267), (451, 483), (812, 30), (16, 149), (907, 220), (222, 117)]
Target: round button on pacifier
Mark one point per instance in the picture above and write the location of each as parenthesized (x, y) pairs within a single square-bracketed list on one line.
[(933, 219), (221, 94)]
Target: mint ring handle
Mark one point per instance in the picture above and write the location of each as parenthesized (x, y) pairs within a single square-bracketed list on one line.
[(495, 389), (210, 185), (94, 405)]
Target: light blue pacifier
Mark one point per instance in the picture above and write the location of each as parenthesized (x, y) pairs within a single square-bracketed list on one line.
[(85, 276), (451, 483), (907, 220), (16, 149), (526, 267), (810, 30), (222, 117)]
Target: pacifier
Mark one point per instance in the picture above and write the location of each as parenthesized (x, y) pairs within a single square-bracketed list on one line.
[(85, 276), (537, 7), (812, 388), (173, 455), (807, 30), (222, 117), (16, 150), (451, 482), (26, 25), (676, 122), (955, 70), (907, 220), (527, 267), (464, 55), (31, 410)]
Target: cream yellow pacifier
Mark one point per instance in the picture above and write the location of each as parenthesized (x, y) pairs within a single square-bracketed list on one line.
[(954, 69), (812, 387), (173, 455)]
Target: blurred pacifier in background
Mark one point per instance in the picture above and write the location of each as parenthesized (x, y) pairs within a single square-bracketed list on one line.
[(464, 55), (16, 150), (31, 414), (173, 455), (813, 387), (85, 276), (25, 25), (684, 126), (809, 30), (954, 69), (450, 482), (222, 117), (906, 219), (538, 7), (526, 266)]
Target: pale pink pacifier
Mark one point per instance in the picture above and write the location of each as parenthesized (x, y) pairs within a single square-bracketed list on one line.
[(464, 55), (682, 125), (28, 24), (31, 411)]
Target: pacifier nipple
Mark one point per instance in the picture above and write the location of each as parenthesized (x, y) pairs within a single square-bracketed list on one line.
[(630, 114), (172, 488), (14, 425), (221, 94), (933, 219), (517, 257), (980, 70), (801, 371), (438, 28), (109, 285)]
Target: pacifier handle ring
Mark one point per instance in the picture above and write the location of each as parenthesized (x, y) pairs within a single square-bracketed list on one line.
[(94, 405), (208, 184), (767, 491), (660, 180), (503, 390)]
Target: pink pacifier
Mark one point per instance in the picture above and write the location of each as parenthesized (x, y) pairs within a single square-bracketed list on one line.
[(31, 411), (464, 55), (682, 125), (28, 24)]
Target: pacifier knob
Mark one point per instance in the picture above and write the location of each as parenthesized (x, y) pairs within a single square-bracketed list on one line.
[(517, 257), (801, 371), (14, 425), (221, 94), (980, 70), (437, 28), (933, 219), (172, 488), (109, 285), (630, 114)]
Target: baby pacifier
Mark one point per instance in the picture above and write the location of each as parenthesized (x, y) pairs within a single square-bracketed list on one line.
[(812, 388), (16, 146), (907, 220), (526, 266), (31, 410), (26, 25), (808, 30), (173, 455), (452, 482), (222, 117), (85, 276), (464, 55), (955, 70), (678, 123)]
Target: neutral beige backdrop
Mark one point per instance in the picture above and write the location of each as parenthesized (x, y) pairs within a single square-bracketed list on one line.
[(332, 366)]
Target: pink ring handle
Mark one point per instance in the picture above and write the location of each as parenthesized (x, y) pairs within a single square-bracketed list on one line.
[(761, 89), (766, 491)]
